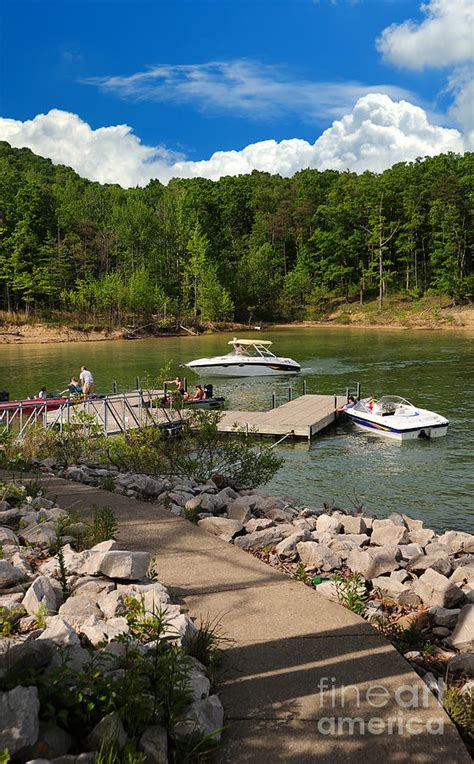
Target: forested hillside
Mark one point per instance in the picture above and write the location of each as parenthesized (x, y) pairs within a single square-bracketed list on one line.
[(253, 247)]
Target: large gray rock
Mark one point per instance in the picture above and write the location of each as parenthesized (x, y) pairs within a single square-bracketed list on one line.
[(203, 717), (328, 524), (286, 549), (437, 561), (462, 663), (351, 524), (375, 561), (60, 631), (320, 556), (259, 524), (19, 714), (34, 654), (236, 511), (220, 526), (386, 532), (458, 541), (110, 728), (154, 743), (259, 539), (435, 589), (409, 551), (390, 587), (462, 573), (41, 594), (462, 637), (421, 536), (9, 575), (78, 609), (42, 535), (442, 616), (130, 566), (8, 537)]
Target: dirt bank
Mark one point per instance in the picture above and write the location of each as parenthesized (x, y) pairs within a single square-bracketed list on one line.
[(427, 314)]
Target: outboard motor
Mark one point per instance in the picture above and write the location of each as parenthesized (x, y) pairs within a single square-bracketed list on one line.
[(209, 391), (4, 396)]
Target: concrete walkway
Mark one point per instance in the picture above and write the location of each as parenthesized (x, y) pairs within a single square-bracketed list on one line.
[(304, 679)]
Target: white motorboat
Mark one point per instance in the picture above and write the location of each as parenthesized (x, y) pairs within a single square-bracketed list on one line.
[(248, 358), (397, 418)]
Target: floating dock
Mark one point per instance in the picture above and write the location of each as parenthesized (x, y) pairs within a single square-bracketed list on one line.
[(303, 417)]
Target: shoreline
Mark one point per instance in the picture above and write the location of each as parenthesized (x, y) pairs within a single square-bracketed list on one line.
[(457, 319)]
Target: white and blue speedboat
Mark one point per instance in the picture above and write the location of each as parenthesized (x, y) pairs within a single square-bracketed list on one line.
[(248, 358), (396, 418)]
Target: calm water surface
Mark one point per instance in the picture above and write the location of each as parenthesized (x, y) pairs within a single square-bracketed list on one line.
[(429, 480)]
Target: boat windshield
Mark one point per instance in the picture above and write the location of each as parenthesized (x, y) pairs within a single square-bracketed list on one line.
[(248, 348), (385, 405)]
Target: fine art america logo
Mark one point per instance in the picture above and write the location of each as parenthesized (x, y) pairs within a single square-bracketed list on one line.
[(404, 701)]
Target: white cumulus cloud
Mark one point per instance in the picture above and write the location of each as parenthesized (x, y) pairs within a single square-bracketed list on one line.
[(380, 132), (443, 39), (377, 133)]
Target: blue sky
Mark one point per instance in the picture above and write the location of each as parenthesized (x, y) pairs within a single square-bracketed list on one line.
[(189, 78)]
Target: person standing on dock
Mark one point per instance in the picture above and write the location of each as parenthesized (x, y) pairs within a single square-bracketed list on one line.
[(87, 381)]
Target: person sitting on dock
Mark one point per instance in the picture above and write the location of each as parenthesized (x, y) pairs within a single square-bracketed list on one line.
[(42, 395), (73, 388), (351, 402)]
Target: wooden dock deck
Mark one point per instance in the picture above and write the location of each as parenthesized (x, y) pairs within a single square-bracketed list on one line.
[(303, 417)]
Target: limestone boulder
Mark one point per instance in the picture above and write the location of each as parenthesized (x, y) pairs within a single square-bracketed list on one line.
[(58, 630), (78, 609), (286, 549), (19, 714), (354, 524), (387, 532), (462, 664), (462, 637), (328, 524), (434, 560), (8, 537), (319, 556), (390, 587), (109, 728), (462, 573), (259, 524), (219, 526), (421, 536), (42, 535), (203, 717), (442, 616), (435, 590), (458, 541), (375, 561), (154, 743), (42, 594), (120, 565), (258, 539), (9, 575)]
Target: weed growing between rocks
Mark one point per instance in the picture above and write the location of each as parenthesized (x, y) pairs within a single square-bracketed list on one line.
[(351, 592), (205, 644)]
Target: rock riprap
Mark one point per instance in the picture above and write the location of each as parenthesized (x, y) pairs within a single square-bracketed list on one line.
[(95, 614)]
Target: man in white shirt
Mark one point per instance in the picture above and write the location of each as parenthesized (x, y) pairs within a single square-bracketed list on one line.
[(87, 381)]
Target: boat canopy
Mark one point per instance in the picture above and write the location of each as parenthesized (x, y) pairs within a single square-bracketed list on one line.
[(249, 342)]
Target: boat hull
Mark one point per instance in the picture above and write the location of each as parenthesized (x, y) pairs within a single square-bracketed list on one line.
[(257, 369), (426, 432), (34, 404)]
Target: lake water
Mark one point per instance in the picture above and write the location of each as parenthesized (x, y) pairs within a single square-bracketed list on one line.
[(432, 480)]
